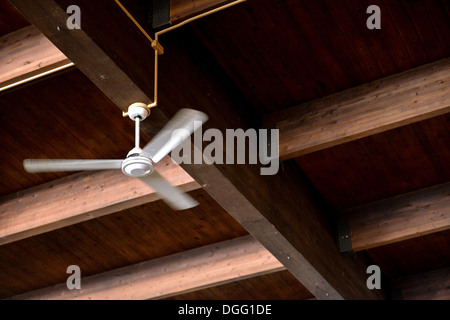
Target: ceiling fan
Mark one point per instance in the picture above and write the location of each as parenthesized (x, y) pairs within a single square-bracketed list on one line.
[(139, 163)]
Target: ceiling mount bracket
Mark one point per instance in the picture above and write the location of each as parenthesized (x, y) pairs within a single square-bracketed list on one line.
[(137, 109), (159, 14)]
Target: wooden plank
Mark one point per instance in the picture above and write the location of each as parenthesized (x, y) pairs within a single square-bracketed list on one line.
[(25, 54), (280, 285), (78, 198), (194, 269), (181, 9), (400, 218), (433, 285), (372, 108), (283, 211)]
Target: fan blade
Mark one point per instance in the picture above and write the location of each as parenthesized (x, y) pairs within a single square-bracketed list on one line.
[(188, 120), (44, 165), (173, 196)]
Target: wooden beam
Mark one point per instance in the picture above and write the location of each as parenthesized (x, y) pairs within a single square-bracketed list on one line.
[(181, 9), (27, 54), (80, 197), (283, 211), (372, 108), (183, 272), (399, 218), (434, 285)]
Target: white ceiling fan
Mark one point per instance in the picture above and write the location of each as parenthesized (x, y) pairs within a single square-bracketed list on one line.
[(139, 163)]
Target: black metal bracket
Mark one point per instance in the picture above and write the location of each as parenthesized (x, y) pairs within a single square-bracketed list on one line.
[(159, 14), (344, 237)]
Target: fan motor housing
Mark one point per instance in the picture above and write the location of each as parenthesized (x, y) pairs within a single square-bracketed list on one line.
[(137, 166)]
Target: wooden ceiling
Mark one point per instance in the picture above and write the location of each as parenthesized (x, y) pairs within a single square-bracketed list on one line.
[(241, 66), (114, 241), (383, 165), (282, 53)]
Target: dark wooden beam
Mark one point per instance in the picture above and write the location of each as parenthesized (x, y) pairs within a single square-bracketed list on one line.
[(80, 197), (283, 211), (183, 272), (399, 218), (434, 285), (372, 108)]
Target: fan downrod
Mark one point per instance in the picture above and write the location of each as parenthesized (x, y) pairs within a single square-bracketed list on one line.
[(136, 165)]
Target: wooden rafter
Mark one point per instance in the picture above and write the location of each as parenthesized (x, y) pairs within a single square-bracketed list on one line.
[(371, 108), (26, 54), (78, 198), (195, 269), (400, 218), (281, 211)]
